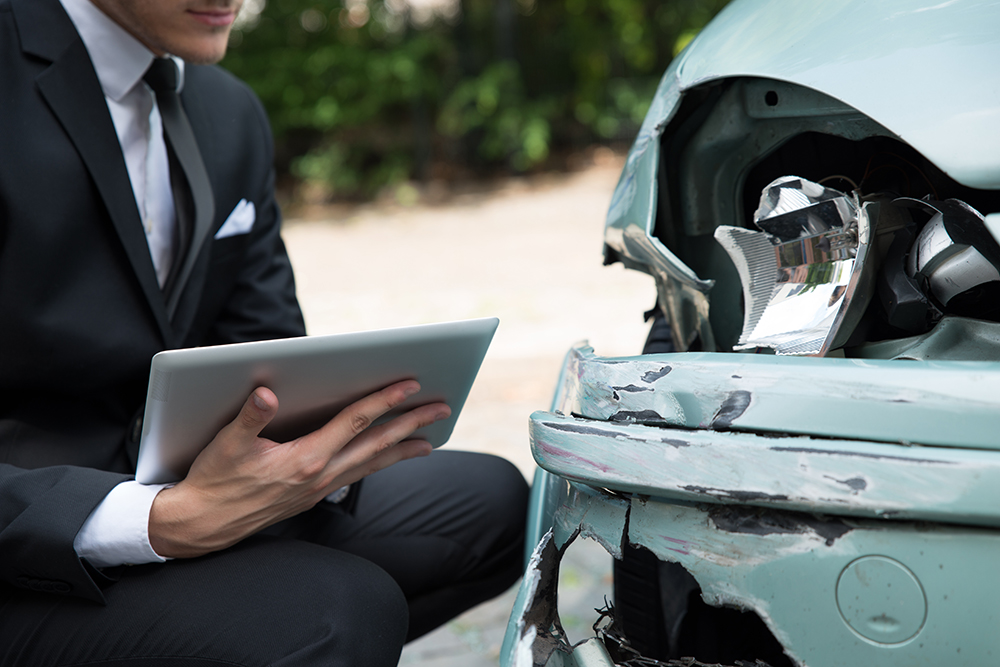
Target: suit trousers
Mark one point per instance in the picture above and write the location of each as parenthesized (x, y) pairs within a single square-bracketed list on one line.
[(425, 540)]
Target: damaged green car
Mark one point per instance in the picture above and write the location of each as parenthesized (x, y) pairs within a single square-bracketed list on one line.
[(803, 466)]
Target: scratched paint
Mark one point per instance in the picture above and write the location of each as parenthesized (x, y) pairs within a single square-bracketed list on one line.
[(623, 390), (841, 477), (878, 400), (557, 452)]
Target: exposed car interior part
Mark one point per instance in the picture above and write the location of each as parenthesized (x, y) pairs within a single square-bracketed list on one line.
[(731, 138), (955, 258), (661, 606)]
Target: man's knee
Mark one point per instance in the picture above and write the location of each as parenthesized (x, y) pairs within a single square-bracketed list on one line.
[(487, 486), (503, 490), (496, 497)]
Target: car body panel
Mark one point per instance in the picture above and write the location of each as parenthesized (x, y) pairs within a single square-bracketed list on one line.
[(823, 586), (937, 102)]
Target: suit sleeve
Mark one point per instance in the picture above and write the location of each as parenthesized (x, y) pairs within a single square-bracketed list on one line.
[(60, 431), (40, 514)]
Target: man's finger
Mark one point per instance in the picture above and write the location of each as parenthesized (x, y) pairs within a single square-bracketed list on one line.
[(256, 413), (408, 449), (357, 417), (385, 437)]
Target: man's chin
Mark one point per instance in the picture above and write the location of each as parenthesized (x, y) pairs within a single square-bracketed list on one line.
[(201, 53)]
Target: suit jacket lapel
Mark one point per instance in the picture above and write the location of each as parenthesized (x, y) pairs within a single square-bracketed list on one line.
[(72, 90)]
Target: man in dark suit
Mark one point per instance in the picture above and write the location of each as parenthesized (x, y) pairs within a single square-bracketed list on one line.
[(110, 251)]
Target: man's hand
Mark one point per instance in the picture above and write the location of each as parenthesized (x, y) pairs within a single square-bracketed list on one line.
[(241, 483)]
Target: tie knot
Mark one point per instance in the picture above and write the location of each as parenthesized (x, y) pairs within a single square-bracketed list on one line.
[(162, 76)]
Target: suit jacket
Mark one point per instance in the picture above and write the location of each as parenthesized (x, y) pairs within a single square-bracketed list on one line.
[(81, 312)]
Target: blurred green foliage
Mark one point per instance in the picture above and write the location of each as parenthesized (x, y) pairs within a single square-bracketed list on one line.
[(368, 93)]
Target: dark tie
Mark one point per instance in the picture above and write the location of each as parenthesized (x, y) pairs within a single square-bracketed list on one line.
[(189, 182)]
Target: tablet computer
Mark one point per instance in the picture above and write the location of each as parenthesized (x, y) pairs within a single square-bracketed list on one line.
[(194, 392)]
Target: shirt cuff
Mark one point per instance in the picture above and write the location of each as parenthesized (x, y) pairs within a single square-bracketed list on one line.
[(117, 531), (339, 495)]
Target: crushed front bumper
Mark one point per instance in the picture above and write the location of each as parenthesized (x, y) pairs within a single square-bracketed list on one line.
[(855, 509)]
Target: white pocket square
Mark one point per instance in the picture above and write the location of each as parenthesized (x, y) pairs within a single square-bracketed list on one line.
[(240, 221)]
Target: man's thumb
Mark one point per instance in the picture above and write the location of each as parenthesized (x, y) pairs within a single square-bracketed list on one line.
[(257, 412)]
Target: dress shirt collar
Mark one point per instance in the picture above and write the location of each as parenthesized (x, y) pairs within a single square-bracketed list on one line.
[(119, 59)]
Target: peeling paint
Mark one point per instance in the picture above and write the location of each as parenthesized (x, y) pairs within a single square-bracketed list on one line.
[(856, 483), (617, 387), (782, 565), (640, 417), (653, 376), (732, 408), (771, 527), (766, 522)]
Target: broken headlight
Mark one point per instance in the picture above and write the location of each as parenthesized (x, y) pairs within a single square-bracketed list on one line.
[(810, 268)]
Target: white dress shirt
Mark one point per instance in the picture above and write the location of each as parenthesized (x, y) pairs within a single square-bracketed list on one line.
[(120, 61), (117, 531)]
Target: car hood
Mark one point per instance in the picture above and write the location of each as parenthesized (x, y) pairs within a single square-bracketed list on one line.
[(923, 69)]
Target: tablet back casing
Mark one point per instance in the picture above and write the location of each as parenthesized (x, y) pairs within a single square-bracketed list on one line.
[(194, 392)]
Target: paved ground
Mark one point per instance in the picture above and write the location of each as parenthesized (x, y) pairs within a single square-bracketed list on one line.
[(527, 251)]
